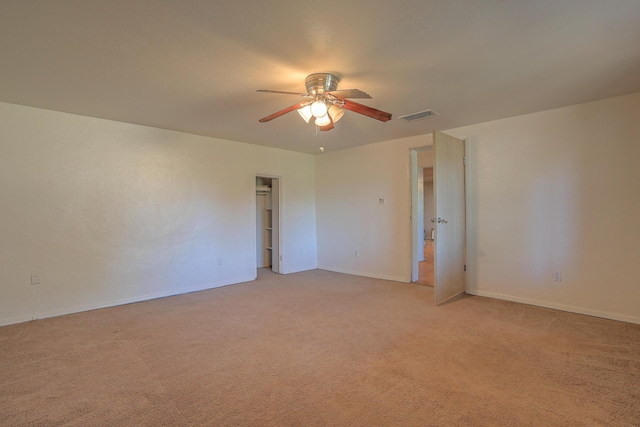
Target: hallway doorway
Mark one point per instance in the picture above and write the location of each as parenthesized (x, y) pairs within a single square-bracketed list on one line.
[(425, 267)]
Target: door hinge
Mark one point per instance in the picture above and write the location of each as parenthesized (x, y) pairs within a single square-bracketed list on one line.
[(464, 160), (465, 267)]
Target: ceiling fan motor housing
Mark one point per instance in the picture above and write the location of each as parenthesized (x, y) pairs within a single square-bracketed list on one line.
[(319, 83)]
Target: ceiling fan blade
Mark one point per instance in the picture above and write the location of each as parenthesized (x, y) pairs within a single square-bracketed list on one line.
[(350, 93), (305, 95), (367, 111), (284, 111), (329, 126)]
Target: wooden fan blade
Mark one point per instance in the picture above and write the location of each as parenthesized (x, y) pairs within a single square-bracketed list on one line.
[(305, 95), (350, 93), (283, 112), (327, 127), (367, 111)]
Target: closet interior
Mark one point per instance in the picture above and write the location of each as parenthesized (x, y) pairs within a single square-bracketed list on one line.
[(267, 227)]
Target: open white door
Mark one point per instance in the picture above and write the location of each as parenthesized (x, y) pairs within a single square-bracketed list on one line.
[(449, 200)]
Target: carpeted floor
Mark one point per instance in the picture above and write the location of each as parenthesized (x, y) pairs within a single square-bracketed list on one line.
[(320, 349)]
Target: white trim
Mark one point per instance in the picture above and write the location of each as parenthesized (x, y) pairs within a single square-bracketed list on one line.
[(89, 307), (414, 231), (280, 216), (299, 269), (18, 319), (556, 306), (362, 274)]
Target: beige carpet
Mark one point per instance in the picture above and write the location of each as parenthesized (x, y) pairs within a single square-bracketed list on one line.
[(320, 349)]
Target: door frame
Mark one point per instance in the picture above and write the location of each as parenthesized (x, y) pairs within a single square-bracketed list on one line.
[(415, 211), (278, 252)]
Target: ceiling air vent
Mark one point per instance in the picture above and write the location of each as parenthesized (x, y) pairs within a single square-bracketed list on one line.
[(418, 116)]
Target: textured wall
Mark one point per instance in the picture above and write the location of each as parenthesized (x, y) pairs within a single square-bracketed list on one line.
[(555, 191), (350, 218), (107, 212)]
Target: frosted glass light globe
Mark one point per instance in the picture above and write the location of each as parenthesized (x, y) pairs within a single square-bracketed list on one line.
[(319, 109), (323, 121)]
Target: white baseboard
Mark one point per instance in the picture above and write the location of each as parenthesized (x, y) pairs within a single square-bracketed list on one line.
[(365, 274), (13, 320), (300, 269), (88, 307), (556, 306)]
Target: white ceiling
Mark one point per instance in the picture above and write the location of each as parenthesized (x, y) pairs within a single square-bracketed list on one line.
[(194, 65)]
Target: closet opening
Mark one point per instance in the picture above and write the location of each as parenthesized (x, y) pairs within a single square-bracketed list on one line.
[(268, 223)]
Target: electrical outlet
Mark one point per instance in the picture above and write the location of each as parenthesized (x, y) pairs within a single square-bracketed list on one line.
[(357, 254), (35, 278), (381, 200), (219, 260), (557, 276)]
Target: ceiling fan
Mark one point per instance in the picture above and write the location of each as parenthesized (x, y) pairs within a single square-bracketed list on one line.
[(325, 103)]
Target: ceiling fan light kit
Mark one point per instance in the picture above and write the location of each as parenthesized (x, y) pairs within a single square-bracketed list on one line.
[(323, 121), (305, 113), (319, 108), (327, 103), (336, 112)]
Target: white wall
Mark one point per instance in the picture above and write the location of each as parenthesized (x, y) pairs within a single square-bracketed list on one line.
[(349, 185), (558, 191), (551, 191), (425, 157), (109, 213)]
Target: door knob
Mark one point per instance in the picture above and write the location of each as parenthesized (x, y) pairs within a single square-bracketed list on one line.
[(433, 220), (441, 221)]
